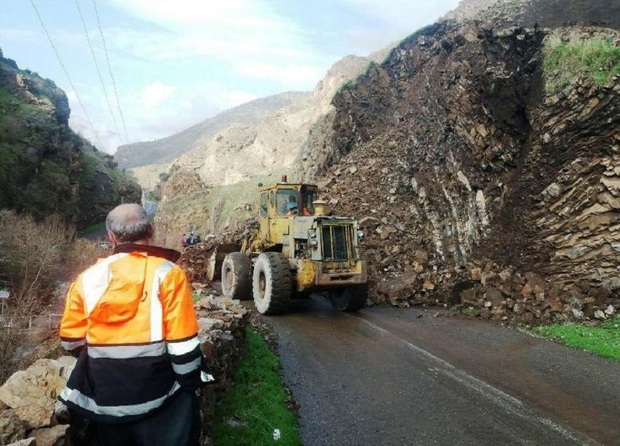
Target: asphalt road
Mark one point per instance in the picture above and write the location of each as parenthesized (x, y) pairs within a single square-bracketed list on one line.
[(386, 377)]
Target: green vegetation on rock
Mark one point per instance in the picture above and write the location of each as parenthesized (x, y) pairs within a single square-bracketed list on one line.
[(256, 411), (45, 167), (597, 58)]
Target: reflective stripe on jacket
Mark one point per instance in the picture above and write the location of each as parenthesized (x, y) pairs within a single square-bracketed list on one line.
[(132, 320)]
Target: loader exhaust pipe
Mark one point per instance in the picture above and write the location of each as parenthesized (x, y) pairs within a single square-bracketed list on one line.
[(319, 207)]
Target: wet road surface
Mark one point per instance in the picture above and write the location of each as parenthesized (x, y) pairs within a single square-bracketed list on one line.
[(390, 377)]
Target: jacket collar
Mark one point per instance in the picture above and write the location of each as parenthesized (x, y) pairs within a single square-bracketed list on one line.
[(155, 251)]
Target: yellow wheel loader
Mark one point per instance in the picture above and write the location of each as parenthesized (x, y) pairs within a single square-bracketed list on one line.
[(295, 250)]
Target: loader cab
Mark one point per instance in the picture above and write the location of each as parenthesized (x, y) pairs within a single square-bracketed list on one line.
[(278, 203), (291, 202)]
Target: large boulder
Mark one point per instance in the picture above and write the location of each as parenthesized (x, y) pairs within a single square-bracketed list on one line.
[(399, 288), (32, 392)]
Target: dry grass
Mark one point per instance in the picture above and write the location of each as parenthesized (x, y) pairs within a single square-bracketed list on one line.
[(31, 258), (34, 259)]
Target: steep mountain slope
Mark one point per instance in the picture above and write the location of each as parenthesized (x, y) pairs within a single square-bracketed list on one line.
[(237, 153), (482, 175), (168, 149), (45, 167)]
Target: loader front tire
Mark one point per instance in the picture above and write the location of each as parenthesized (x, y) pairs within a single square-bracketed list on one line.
[(271, 283), (237, 276)]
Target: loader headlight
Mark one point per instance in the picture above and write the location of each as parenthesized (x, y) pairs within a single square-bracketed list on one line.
[(360, 233), (312, 241)]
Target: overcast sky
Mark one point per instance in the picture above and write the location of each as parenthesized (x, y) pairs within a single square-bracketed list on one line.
[(178, 62)]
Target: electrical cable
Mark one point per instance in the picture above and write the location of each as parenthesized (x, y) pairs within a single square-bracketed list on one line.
[(92, 52), (105, 49), (64, 68)]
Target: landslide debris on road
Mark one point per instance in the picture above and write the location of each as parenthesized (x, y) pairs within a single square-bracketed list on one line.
[(195, 258), (477, 184)]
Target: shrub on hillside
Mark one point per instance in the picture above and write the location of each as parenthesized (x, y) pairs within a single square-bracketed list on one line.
[(32, 259), (10, 346), (83, 254)]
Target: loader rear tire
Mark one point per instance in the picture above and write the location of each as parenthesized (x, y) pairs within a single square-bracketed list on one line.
[(237, 276), (349, 299), (271, 283)]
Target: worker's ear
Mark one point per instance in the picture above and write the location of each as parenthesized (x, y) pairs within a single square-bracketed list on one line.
[(112, 238), (150, 230)]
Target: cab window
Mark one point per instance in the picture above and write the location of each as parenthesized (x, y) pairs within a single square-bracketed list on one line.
[(263, 204), (286, 200), (308, 197)]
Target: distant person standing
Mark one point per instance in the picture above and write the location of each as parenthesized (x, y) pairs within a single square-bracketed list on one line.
[(183, 241), (131, 322)]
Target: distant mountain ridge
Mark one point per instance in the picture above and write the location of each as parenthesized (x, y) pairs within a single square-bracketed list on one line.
[(166, 150)]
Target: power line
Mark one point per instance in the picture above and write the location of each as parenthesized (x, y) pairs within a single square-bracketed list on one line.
[(49, 37), (92, 52), (105, 49)]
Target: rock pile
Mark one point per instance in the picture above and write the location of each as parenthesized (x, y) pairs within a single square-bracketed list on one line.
[(196, 260), (456, 158), (27, 399)]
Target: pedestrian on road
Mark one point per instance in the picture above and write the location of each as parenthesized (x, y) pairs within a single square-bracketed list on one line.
[(131, 322)]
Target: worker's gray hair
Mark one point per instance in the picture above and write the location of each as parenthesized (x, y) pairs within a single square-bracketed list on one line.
[(128, 222)]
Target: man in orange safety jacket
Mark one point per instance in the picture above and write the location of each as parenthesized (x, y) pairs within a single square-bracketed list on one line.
[(130, 321)]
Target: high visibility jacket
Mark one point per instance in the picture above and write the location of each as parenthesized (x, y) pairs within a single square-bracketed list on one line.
[(132, 320)]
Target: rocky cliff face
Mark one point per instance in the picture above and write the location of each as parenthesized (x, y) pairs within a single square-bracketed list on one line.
[(476, 181), (238, 153), (45, 167)]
